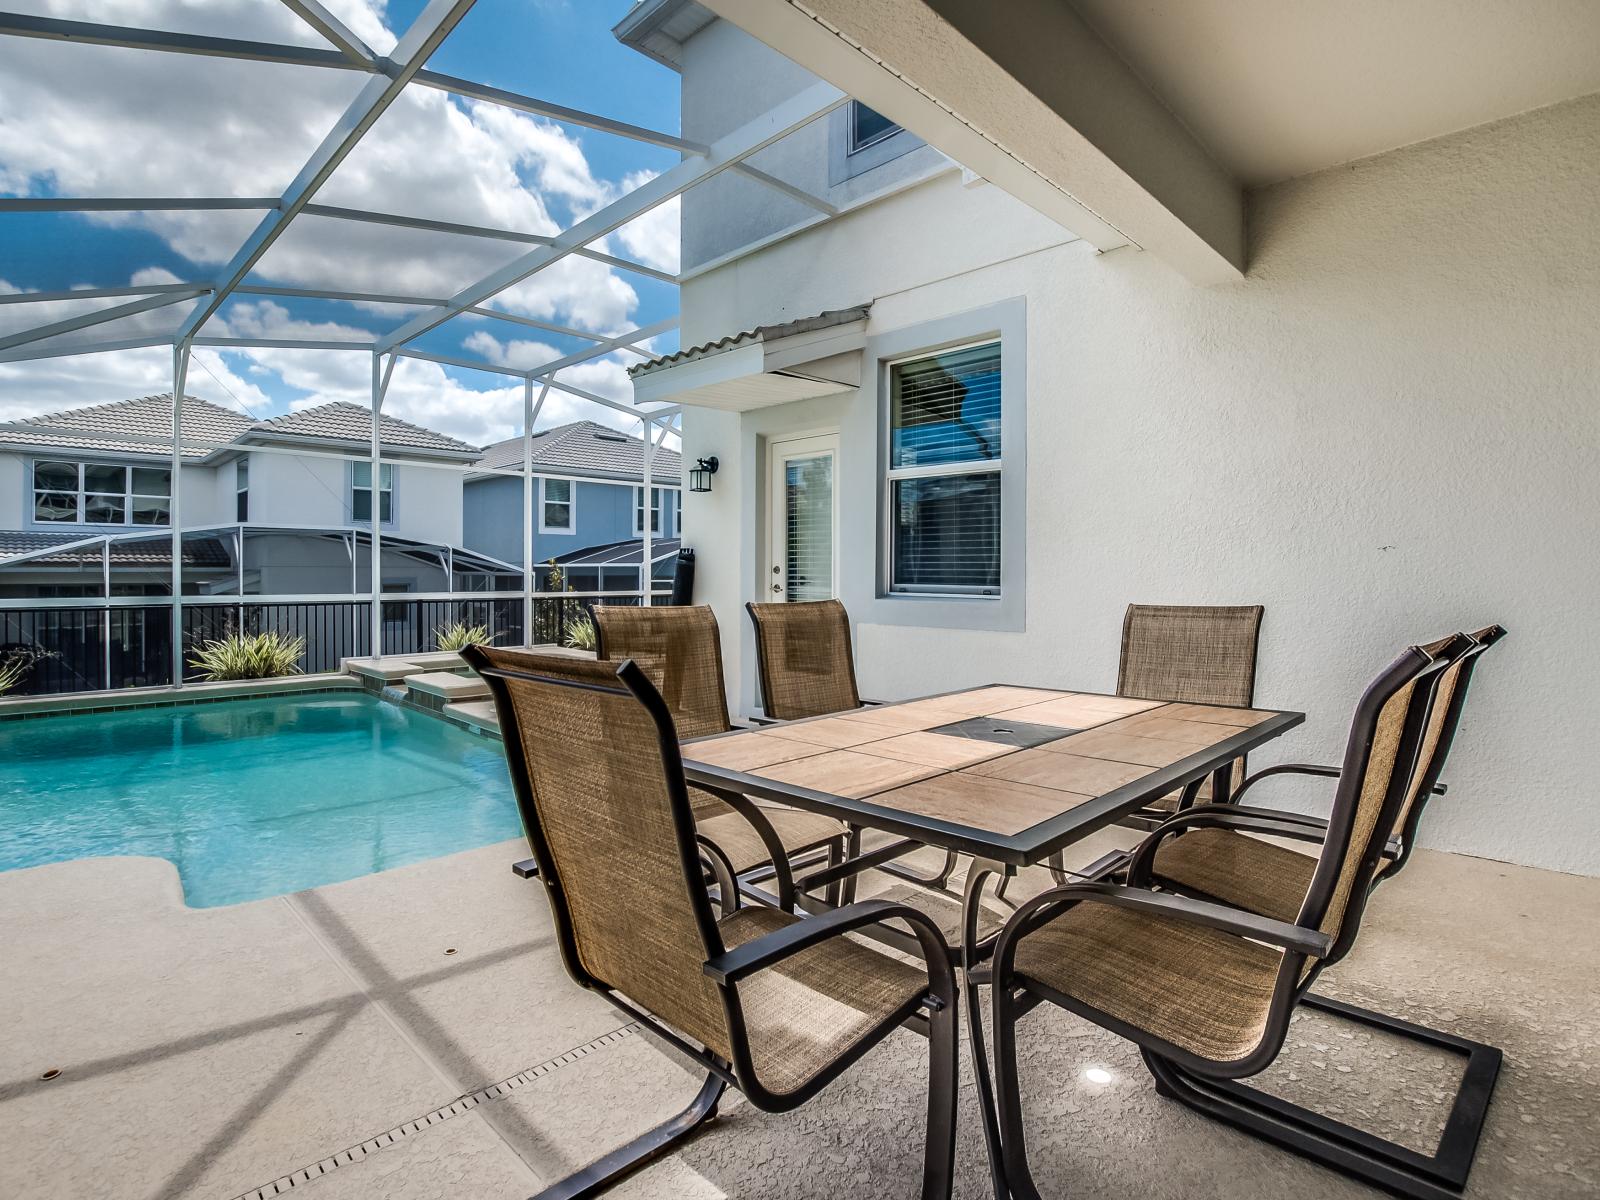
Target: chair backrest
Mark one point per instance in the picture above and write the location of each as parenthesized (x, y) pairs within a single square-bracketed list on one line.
[(679, 649), (594, 762), (806, 667), (1381, 762), (1191, 653), (1443, 719)]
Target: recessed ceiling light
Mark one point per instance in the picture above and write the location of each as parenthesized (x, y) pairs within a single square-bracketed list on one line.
[(1097, 1075)]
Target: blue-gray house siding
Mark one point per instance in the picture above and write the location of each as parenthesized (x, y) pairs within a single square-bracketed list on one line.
[(492, 516)]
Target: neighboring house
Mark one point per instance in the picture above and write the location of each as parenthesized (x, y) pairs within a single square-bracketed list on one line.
[(588, 492), (1285, 362), (270, 503)]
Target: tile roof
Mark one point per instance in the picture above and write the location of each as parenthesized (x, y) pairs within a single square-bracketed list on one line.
[(149, 420), (154, 550), (344, 422), (760, 333), (147, 417), (589, 449)]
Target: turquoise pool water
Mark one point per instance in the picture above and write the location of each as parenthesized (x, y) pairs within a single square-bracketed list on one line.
[(251, 798)]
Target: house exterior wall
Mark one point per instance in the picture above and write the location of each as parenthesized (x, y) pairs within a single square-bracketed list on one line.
[(605, 513), (296, 489), (1390, 430)]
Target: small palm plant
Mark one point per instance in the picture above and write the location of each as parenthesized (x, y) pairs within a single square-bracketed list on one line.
[(249, 656), (457, 635), (579, 633), (15, 665)]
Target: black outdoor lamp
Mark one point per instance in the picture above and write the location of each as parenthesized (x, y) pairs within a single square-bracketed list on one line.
[(700, 475)]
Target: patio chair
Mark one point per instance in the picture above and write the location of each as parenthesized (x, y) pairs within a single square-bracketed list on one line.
[(775, 1005), (1218, 859), (806, 667), (1207, 990), (1191, 654), (680, 651)]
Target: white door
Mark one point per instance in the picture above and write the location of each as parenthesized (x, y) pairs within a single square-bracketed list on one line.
[(805, 519)]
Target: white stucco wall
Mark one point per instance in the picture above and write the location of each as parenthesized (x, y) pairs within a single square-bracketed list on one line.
[(294, 489), (1388, 431)]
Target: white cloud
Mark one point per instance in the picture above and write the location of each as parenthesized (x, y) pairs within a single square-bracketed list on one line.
[(85, 120)]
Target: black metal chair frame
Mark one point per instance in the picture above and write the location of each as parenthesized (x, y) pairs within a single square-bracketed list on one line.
[(1213, 1088), (933, 1014)]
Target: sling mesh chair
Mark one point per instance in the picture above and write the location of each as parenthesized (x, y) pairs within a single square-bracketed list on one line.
[(1207, 990), (679, 649), (1217, 859), (1193, 654), (807, 669), (773, 1004)]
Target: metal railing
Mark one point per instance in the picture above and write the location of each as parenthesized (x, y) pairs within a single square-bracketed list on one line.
[(82, 645)]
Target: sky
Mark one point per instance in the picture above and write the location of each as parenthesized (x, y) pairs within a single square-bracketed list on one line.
[(95, 121)]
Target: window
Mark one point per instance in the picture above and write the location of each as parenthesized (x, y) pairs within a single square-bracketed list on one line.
[(638, 511), (361, 492), (867, 128), (944, 476), (241, 490), (101, 494), (555, 506)]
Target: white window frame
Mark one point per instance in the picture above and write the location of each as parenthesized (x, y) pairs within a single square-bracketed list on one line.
[(376, 508), (893, 474), (241, 488), (658, 511), (571, 502), (127, 494)]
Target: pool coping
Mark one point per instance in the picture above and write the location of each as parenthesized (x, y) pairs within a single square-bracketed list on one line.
[(78, 703)]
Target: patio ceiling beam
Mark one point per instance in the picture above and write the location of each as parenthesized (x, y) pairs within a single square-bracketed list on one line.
[(551, 327), (262, 289), (268, 343), (131, 203), (339, 213), (427, 32), (450, 360), (603, 348), (1027, 96), (335, 30), (766, 129), (786, 188), (27, 354), (137, 289), (130, 37), (99, 316)]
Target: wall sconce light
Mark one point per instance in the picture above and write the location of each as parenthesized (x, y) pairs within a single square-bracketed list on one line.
[(700, 475)]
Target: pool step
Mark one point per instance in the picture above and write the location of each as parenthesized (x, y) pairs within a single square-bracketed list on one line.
[(448, 687)]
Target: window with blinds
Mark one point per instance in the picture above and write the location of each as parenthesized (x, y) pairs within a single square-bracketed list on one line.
[(555, 508), (944, 472), (808, 522)]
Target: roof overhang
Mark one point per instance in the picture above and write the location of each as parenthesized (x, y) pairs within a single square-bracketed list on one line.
[(769, 365)]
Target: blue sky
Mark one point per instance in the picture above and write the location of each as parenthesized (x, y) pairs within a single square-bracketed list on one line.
[(114, 122)]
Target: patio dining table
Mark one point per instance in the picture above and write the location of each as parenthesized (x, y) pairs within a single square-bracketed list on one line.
[(1009, 775)]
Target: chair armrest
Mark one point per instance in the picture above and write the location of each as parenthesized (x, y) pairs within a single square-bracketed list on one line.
[(1311, 942), (743, 961), (1219, 816), (1323, 772)]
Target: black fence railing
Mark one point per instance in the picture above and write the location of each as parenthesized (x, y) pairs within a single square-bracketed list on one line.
[(87, 648)]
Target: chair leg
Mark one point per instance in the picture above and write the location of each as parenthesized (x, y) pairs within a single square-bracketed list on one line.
[(1018, 1179), (623, 1161), (944, 1044), (1354, 1152)]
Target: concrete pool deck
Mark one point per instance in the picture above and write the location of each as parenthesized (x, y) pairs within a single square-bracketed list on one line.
[(412, 1034)]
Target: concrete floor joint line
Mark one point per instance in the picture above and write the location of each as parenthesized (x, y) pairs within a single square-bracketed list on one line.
[(464, 1104)]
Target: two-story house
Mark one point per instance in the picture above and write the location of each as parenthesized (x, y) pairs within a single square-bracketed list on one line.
[(588, 498), (268, 507)]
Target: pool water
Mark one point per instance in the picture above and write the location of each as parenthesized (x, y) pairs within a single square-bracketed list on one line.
[(252, 798)]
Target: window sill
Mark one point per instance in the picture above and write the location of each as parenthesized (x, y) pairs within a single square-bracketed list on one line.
[(989, 614)]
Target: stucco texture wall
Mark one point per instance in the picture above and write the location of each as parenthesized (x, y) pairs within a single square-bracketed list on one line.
[(1390, 430)]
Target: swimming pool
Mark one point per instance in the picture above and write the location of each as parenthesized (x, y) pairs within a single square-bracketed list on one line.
[(252, 798)]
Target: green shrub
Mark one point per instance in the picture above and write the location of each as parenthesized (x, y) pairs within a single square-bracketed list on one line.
[(249, 656), (458, 634), (579, 633)]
